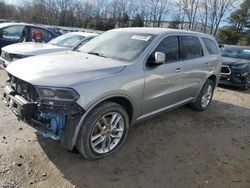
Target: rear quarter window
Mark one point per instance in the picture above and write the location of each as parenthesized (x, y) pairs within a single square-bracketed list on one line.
[(211, 46)]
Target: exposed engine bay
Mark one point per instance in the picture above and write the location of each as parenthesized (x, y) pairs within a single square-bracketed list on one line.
[(50, 117)]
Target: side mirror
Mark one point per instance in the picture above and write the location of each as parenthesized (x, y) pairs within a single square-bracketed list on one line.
[(159, 58)]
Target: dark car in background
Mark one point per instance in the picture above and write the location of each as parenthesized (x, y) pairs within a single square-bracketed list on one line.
[(11, 33), (235, 70)]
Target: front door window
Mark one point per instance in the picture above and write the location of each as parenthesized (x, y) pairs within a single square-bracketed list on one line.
[(13, 32)]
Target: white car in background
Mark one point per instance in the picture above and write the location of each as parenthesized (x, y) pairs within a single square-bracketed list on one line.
[(66, 42)]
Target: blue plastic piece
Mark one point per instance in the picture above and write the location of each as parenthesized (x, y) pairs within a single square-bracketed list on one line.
[(57, 123), (49, 135)]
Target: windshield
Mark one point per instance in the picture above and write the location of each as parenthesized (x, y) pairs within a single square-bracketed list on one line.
[(68, 40), (242, 53), (124, 46)]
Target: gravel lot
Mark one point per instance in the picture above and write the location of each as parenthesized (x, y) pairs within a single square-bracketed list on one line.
[(181, 148)]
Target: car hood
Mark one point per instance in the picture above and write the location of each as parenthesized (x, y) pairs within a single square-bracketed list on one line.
[(231, 61), (64, 68), (32, 48)]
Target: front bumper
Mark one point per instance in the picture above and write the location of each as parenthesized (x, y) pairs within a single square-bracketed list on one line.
[(236, 78), (23, 109), (56, 120), (4, 63)]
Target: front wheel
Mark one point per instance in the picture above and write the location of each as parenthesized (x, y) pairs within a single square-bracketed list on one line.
[(103, 131), (246, 85), (205, 96)]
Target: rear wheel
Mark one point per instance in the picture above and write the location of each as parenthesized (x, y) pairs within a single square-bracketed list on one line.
[(205, 96), (103, 131)]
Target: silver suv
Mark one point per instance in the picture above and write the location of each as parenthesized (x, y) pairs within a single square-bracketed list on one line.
[(89, 98)]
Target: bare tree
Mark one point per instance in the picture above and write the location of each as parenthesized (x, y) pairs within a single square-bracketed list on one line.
[(157, 10), (204, 4), (7, 11), (188, 9), (224, 7), (107, 14), (214, 12)]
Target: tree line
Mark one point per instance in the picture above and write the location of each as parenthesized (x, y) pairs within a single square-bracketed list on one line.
[(238, 29), (108, 14)]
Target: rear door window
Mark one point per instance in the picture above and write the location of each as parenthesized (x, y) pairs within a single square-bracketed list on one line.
[(40, 35), (211, 46), (190, 47)]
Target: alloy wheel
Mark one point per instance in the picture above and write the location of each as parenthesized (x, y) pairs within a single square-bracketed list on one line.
[(206, 98), (107, 133)]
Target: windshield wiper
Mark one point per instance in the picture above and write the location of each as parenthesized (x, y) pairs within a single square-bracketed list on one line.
[(98, 54)]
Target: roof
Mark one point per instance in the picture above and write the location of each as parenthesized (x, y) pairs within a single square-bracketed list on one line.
[(235, 46), (85, 34), (157, 31), (2, 25), (24, 24), (10, 24)]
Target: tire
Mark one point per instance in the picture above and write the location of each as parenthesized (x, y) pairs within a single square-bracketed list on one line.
[(198, 104), (98, 127), (246, 85)]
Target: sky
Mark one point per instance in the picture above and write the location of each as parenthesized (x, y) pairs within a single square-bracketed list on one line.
[(10, 1)]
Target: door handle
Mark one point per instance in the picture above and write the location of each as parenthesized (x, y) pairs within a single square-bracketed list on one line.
[(206, 64), (178, 70)]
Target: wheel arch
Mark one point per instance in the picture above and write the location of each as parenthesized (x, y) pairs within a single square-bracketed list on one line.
[(213, 78), (125, 101)]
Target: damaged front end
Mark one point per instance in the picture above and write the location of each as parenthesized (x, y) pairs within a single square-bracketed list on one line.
[(52, 111)]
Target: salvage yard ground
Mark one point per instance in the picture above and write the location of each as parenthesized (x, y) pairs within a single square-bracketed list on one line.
[(179, 149)]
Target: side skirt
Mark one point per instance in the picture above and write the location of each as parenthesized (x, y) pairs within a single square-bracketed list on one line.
[(162, 110)]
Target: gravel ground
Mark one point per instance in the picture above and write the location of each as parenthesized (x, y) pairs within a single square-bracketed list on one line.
[(181, 148)]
